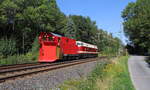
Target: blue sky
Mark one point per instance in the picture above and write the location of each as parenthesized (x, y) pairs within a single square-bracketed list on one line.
[(107, 13)]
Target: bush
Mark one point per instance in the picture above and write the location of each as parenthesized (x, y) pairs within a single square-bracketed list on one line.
[(7, 47), (35, 45)]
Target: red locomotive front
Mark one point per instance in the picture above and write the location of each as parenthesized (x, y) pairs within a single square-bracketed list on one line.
[(49, 47), (54, 47)]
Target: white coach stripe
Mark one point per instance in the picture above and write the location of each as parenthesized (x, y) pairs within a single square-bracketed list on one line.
[(86, 52)]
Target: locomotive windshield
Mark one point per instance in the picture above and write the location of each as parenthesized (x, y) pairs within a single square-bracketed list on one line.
[(47, 38)]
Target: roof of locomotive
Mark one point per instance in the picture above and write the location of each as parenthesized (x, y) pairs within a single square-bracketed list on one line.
[(56, 34), (80, 43)]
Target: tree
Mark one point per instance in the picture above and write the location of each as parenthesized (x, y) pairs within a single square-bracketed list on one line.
[(70, 29), (137, 24), (86, 28), (24, 20)]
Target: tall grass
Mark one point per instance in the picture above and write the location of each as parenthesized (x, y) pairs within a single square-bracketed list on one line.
[(108, 75), (116, 76), (19, 59)]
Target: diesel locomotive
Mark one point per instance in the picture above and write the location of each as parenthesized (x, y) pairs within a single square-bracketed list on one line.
[(54, 47)]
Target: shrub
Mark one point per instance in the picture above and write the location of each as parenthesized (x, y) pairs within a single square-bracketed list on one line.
[(7, 47)]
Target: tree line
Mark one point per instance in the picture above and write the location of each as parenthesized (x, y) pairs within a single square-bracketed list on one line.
[(137, 26), (21, 21)]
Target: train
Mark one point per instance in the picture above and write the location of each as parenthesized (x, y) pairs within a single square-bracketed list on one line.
[(54, 47)]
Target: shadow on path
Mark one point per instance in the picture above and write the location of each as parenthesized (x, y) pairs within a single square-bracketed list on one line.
[(148, 60)]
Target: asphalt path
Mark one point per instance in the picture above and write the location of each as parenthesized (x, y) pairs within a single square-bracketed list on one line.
[(139, 72)]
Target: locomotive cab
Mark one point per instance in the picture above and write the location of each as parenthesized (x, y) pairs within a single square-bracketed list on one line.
[(49, 47)]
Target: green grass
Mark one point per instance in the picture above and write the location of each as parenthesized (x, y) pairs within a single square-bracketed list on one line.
[(19, 59), (108, 75)]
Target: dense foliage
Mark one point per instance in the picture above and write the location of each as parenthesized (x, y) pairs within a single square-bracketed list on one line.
[(21, 21), (137, 25)]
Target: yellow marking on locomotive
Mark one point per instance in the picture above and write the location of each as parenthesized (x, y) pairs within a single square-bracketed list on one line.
[(58, 53)]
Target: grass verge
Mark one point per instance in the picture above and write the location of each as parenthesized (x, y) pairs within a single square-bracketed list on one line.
[(19, 59), (108, 75)]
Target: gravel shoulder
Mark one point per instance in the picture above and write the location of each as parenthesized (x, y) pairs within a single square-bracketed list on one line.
[(139, 72)]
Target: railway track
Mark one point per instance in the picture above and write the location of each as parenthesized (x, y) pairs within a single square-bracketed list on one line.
[(13, 72), (17, 66)]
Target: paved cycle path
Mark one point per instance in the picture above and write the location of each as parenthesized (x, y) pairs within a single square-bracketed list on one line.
[(139, 72)]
